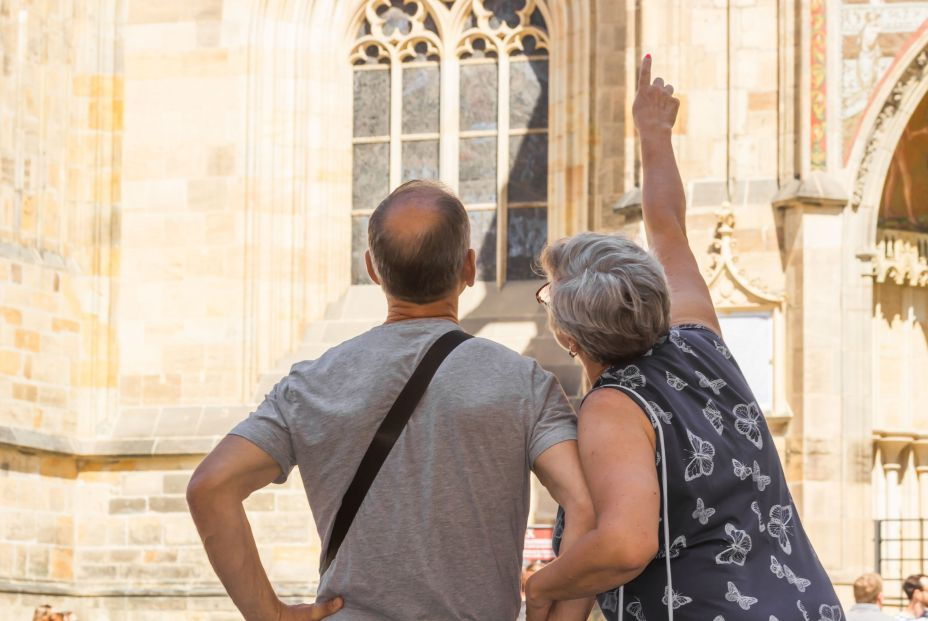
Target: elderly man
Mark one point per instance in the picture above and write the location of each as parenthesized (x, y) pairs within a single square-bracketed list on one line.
[(426, 521), (868, 595)]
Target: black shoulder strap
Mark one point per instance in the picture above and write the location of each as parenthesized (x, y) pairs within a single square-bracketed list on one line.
[(386, 436)]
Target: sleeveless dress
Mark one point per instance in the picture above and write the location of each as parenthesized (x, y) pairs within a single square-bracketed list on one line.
[(731, 543)]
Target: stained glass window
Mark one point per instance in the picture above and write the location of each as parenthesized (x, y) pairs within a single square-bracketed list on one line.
[(498, 48)]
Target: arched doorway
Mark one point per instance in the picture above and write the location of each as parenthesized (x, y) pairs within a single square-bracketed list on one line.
[(888, 227)]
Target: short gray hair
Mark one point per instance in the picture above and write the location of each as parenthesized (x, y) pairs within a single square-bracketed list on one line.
[(426, 267), (608, 294)]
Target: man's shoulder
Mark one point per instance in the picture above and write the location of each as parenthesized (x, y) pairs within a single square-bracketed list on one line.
[(478, 354)]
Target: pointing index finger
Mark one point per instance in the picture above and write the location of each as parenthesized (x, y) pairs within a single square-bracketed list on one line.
[(644, 77)]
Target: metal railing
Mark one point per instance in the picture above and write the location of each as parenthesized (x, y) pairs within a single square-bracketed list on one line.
[(900, 550)]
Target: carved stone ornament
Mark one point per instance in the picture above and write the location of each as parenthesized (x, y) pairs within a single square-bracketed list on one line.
[(901, 257), (914, 74), (729, 285), (407, 30)]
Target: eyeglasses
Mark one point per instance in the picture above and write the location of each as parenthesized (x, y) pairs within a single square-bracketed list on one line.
[(543, 295)]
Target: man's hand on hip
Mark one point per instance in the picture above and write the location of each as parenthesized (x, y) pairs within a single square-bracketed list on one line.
[(310, 612)]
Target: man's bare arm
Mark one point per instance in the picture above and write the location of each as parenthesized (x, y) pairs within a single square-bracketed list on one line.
[(664, 202), (228, 475), (559, 470)]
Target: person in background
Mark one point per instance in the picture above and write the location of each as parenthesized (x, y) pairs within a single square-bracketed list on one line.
[(868, 593), (914, 588)]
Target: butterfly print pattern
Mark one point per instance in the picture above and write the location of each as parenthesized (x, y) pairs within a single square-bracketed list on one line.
[(781, 570), (701, 458), (664, 417), (714, 416), (829, 613), (755, 507), (635, 609), (743, 472), (677, 339), (702, 512), (736, 545), (678, 544), (737, 552), (675, 382), (629, 377), (744, 601), (678, 599), (747, 423), (715, 385), (778, 527)]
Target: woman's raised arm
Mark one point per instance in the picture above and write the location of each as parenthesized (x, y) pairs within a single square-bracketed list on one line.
[(664, 202)]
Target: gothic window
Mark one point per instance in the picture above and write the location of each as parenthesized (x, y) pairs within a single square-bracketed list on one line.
[(484, 131)]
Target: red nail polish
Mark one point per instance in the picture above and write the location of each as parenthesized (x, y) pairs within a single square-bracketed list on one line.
[(648, 56)]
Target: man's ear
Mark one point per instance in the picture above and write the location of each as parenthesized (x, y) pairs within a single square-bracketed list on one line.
[(370, 267), (470, 268)]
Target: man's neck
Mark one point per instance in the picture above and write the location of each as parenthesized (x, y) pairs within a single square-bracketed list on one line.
[(398, 310)]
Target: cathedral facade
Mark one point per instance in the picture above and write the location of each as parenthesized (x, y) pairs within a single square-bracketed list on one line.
[(184, 192)]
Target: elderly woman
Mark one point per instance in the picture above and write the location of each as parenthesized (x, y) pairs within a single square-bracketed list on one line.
[(694, 517)]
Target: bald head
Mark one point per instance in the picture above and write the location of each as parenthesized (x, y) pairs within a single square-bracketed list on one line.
[(419, 237)]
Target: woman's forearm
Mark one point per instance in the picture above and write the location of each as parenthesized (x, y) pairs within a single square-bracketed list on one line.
[(230, 545), (594, 564), (663, 199)]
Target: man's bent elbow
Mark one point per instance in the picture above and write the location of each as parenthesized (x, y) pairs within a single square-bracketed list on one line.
[(201, 490)]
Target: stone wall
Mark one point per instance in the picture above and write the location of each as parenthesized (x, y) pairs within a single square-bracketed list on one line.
[(62, 116), (98, 536)]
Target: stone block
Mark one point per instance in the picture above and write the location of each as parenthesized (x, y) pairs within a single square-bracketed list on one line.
[(159, 556), (164, 390), (176, 483), (262, 501), (218, 421), (127, 505), (116, 530), (141, 483), (61, 563), (25, 392), (97, 572), (27, 340), (37, 563), (180, 532), (174, 11), (10, 363), (90, 534), (144, 530), (12, 316), (136, 422), (123, 556), (53, 397), (178, 422), (65, 325), (168, 504), (19, 527), (292, 502)]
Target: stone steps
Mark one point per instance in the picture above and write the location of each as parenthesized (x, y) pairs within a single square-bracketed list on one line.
[(509, 316)]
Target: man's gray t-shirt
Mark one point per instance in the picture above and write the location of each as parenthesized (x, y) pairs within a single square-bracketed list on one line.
[(441, 531)]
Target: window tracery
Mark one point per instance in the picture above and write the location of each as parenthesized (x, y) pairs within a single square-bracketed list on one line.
[(491, 58)]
